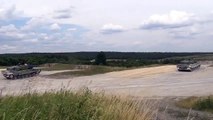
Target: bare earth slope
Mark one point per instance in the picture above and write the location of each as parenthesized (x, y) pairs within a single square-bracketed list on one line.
[(155, 81)]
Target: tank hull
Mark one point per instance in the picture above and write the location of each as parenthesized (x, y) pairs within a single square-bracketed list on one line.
[(188, 67), (16, 73)]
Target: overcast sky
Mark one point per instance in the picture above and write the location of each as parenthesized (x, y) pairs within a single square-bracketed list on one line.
[(106, 25)]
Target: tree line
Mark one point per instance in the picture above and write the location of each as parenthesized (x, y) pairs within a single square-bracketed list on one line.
[(130, 58)]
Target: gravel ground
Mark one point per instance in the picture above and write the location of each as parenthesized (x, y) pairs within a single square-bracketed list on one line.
[(143, 82)]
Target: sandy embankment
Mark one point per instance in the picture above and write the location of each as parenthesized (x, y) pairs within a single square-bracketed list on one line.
[(144, 72)]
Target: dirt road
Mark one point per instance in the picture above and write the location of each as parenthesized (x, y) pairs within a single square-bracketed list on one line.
[(155, 81)]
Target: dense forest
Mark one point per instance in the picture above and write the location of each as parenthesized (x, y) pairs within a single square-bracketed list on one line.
[(127, 59)]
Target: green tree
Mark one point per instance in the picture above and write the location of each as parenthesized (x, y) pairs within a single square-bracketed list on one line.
[(100, 59)]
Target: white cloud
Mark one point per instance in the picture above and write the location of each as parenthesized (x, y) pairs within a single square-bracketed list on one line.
[(7, 47), (71, 29), (36, 22), (186, 33), (63, 13), (49, 21), (33, 40), (9, 13), (174, 19), (11, 34), (8, 28), (55, 26), (111, 28), (11, 31)]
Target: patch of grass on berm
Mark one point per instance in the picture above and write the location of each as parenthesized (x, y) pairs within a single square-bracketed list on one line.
[(66, 105), (89, 70), (2, 67), (197, 103)]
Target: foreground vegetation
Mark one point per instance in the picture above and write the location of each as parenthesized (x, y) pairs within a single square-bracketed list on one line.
[(66, 105), (197, 103)]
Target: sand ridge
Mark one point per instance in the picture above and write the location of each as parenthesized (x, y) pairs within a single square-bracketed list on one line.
[(144, 72)]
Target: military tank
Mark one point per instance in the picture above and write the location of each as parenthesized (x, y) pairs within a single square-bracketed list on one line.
[(188, 65), (20, 71)]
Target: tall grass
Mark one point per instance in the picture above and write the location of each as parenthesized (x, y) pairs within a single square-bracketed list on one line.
[(198, 103), (66, 105)]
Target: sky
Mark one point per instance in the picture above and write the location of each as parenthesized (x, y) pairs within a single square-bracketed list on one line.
[(106, 25)]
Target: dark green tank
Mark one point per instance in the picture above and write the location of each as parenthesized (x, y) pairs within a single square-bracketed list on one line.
[(188, 65), (20, 71)]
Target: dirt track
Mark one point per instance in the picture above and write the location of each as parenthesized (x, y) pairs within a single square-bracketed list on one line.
[(149, 82)]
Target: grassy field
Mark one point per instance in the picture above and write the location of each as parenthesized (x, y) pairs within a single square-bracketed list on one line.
[(2, 67), (204, 57), (65, 105), (80, 70), (197, 103), (91, 71), (57, 66)]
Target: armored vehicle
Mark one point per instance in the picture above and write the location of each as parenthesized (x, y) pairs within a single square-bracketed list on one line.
[(20, 71), (188, 65)]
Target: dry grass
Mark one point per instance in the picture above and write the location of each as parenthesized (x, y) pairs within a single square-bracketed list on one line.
[(2, 67), (57, 66), (188, 102), (197, 103), (81, 70), (65, 105)]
